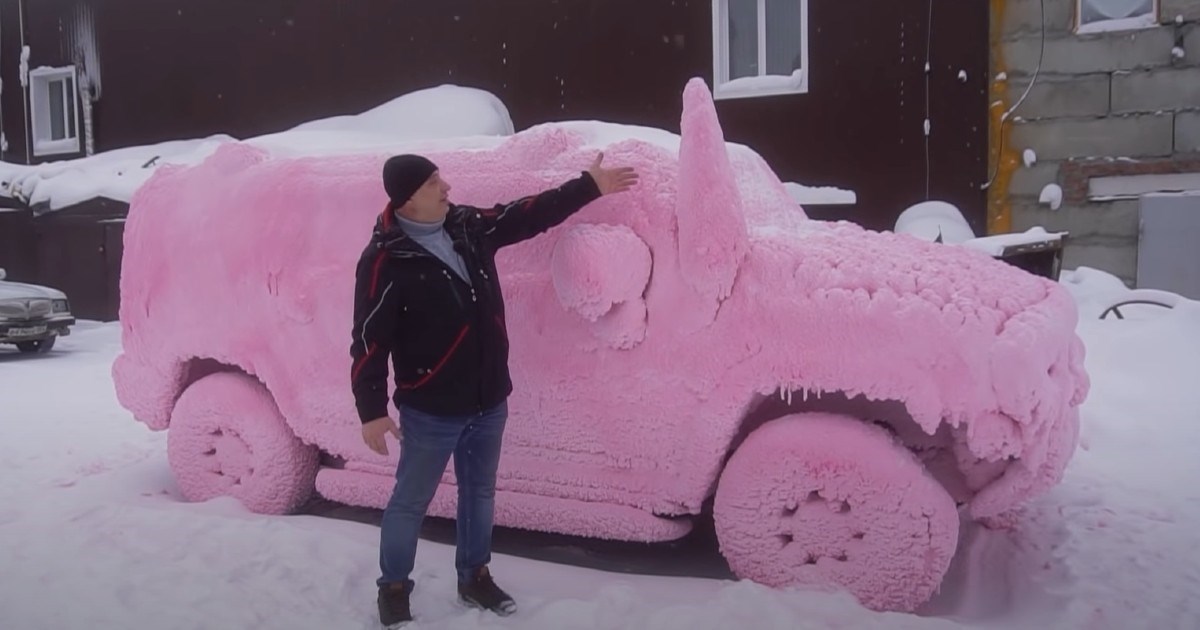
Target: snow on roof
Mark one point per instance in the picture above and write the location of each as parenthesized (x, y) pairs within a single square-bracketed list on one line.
[(995, 245), (820, 195), (442, 118), (114, 174), (447, 113), (933, 220)]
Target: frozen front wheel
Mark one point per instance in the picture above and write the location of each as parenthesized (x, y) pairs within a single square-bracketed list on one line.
[(227, 438), (822, 500)]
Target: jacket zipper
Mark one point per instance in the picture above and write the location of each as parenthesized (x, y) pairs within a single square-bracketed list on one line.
[(442, 363), (452, 277), (464, 249), (450, 274)]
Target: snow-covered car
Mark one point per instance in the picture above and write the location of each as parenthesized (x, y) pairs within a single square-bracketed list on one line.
[(834, 398), (32, 317)]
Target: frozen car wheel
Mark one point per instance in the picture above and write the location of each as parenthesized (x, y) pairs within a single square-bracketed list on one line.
[(821, 500), (227, 438)]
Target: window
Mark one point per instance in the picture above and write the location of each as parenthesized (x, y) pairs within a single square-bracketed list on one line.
[(760, 47), (1096, 16), (53, 101)]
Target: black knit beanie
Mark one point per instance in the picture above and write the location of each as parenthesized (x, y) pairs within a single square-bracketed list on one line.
[(403, 175)]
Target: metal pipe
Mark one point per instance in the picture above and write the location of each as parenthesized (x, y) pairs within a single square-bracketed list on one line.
[(3, 138), (89, 144), (25, 86)]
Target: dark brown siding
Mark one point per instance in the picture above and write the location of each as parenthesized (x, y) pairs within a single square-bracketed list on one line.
[(188, 68), (114, 249), (75, 255), (12, 109), (72, 261), (76, 250), (18, 245)]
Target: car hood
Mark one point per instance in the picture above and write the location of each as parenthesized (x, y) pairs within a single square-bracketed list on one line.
[(17, 290)]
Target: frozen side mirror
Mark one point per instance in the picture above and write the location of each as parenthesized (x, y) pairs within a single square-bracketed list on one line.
[(600, 273)]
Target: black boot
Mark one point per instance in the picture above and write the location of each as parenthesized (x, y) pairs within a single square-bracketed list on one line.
[(481, 591), (394, 609)]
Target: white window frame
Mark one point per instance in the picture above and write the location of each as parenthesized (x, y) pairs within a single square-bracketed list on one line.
[(796, 83), (39, 109), (1149, 20)]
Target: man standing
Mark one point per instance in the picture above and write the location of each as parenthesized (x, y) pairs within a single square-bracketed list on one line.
[(427, 294)]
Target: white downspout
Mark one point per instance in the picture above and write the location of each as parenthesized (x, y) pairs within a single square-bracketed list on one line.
[(3, 137), (85, 95), (87, 59), (25, 83)]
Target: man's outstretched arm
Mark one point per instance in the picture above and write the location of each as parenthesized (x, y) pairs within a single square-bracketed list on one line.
[(525, 218)]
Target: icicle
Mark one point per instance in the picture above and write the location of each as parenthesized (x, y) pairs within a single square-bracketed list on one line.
[(805, 394)]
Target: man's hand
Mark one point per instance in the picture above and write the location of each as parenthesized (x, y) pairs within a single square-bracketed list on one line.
[(612, 180), (377, 429)]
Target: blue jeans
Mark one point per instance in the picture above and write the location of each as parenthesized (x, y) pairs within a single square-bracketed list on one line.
[(428, 441)]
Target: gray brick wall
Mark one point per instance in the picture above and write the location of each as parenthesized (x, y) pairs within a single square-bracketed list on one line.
[(1189, 9), (1058, 96), (1187, 132), (1112, 136), (1024, 16), (1116, 257), (1067, 53), (1029, 182), (1191, 44), (1156, 90), (1094, 222), (1119, 99)]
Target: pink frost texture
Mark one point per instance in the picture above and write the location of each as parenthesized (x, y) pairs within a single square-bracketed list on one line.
[(839, 393)]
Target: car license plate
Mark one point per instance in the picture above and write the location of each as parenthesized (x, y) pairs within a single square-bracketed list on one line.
[(28, 331)]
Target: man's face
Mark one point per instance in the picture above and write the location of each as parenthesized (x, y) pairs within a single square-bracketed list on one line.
[(431, 200)]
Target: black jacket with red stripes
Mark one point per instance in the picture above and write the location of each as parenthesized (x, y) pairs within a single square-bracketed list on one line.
[(447, 339)]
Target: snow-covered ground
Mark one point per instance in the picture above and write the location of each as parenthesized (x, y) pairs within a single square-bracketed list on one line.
[(93, 533)]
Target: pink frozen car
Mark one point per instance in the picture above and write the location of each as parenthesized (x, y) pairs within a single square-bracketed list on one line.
[(840, 395)]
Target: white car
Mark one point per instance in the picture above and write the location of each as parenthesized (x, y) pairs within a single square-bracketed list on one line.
[(32, 317)]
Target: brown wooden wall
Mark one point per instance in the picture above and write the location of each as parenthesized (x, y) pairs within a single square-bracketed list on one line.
[(76, 250), (18, 250), (186, 68)]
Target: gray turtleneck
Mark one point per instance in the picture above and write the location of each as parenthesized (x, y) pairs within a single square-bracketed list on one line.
[(433, 237)]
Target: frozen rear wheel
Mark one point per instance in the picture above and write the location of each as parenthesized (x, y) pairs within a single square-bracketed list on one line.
[(823, 500), (227, 438)]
